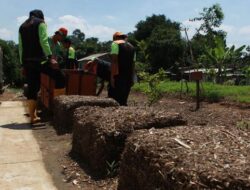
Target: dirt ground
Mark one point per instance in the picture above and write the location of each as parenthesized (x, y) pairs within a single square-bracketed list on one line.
[(66, 169)]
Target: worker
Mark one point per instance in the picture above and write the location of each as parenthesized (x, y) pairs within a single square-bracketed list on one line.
[(56, 46), (122, 68), (34, 49), (70, 61), (36, 57)]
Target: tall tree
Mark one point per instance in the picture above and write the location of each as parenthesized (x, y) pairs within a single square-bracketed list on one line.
[(211, 18), (162, 39), (165, 47), (145, 28)]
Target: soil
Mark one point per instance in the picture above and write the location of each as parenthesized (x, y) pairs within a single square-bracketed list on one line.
[(69, 173)]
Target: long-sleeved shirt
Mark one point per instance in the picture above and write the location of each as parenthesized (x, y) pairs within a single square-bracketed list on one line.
[(43, 39)]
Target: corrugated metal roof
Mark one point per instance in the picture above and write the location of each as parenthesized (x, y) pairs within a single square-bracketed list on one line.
[(93, 56)]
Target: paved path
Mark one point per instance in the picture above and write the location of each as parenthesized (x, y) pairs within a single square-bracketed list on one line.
[(21, 164)]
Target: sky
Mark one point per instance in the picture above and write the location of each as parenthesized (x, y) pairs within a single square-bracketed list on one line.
[(99, 18)]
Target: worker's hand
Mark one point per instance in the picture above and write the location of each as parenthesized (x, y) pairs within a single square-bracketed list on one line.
[(53, 63)]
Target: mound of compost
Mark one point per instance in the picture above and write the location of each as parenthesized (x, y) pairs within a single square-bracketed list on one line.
[(64, 107), (186, 158), (99, 134)]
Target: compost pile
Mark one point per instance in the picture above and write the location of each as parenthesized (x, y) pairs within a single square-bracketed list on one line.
[(64, 107), (186, 158), (99, 134)]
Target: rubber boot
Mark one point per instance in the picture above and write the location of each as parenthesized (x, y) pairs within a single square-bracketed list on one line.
[(32, 105)]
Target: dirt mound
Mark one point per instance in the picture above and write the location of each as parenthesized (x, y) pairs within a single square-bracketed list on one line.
[(64, 107), (99, 134), (186, 158)]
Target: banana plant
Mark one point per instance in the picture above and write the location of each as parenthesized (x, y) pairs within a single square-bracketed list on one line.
[(220, 56)]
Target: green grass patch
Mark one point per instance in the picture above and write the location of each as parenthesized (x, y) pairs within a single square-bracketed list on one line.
[(211, 92)]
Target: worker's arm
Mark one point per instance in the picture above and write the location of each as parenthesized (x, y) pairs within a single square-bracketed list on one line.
[(43, 38), (20, 48), (114, 56), (114, 62)]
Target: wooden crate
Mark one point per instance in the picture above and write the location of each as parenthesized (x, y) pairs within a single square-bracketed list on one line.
[(88, 84), (72, 81), (79, 82)]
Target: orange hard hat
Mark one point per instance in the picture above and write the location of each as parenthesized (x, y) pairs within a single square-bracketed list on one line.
[(116, 34), (62, 31)]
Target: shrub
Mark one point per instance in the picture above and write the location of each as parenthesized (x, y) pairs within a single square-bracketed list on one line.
[(154, 91), (229, 82), (213, 96)]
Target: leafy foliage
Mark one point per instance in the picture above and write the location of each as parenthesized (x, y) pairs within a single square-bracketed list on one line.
[(159, 40), (154, 91), (211, 18), (11, 63), (220, 56), (88, 46), (112, 168), (165, 47)]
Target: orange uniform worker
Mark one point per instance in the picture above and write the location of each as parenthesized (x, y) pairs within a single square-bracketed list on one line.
[(122, 68)]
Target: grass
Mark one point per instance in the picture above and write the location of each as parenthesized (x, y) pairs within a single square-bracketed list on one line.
[(211, 92)]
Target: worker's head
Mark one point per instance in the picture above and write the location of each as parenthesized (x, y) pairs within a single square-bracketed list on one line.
[(61, 34), (67, 42), (37, 13), (119, 36)]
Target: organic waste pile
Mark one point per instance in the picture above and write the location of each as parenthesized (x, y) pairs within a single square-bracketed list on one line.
[(64, 107), (99, 134), (186, 158)]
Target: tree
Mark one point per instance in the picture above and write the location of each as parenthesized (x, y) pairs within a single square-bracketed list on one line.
[(162, 38), (11, 63), (145, 28), (211, 18), (165, 47), (91, 46), (77, 36)]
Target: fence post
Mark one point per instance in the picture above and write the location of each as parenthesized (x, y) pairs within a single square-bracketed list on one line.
[(1, 70)]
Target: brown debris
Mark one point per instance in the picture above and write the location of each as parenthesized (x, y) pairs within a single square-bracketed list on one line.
[(218, 158), (99, 134), (64, 107)]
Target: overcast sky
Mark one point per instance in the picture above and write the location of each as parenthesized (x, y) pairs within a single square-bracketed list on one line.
[(99, 18)]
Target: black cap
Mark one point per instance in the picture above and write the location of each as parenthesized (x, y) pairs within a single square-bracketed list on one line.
[(37, 13)]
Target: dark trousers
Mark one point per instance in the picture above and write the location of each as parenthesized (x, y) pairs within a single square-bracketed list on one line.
[(121, 90), (33, 71)]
